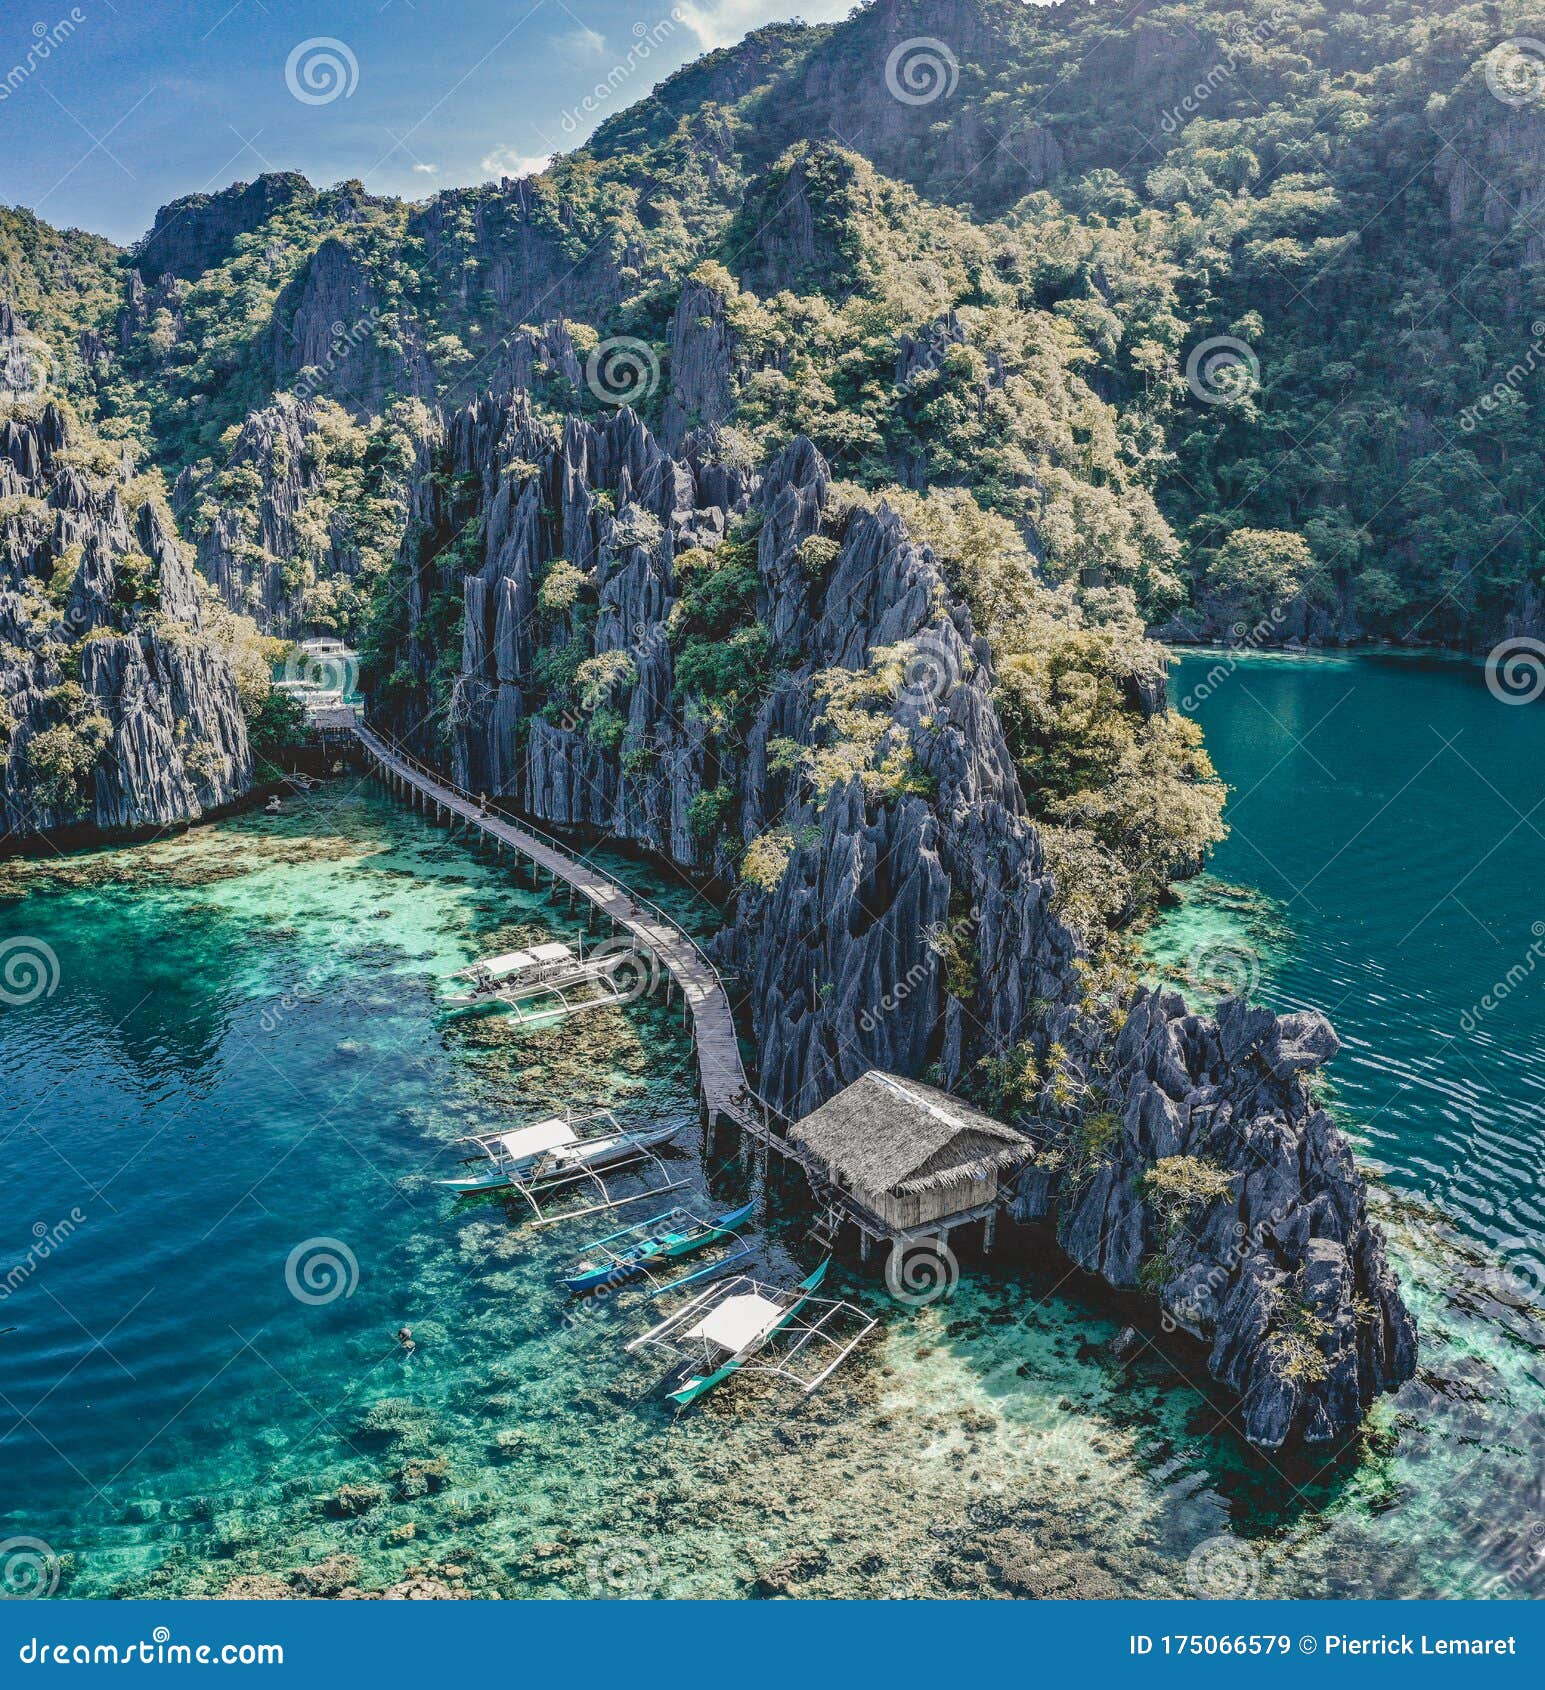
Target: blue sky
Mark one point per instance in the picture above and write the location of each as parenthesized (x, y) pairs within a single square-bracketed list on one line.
[(136, 102)]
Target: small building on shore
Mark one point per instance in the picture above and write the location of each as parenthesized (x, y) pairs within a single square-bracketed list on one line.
[(901, 1159)]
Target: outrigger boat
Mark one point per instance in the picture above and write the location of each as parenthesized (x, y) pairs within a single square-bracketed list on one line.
[(507, 984), (622, 1256), (492, 976), (736, 1326), (554, 1152)]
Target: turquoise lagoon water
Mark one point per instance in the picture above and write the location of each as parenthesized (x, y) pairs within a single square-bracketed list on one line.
[(241, 1058)]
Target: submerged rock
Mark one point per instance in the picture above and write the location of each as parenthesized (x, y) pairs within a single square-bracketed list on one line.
[(350, 1501), (422, 1588)]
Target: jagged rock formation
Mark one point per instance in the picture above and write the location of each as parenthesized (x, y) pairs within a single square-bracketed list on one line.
[(193, 234), (254, 553), (866, 883), (530, 258), (22, 365), (327, 322), (114, 710), (1276, 1267), (695, 637), (702, 358), (908, 927)]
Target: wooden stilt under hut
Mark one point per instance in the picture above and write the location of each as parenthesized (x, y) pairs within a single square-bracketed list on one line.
[(900, 1159)]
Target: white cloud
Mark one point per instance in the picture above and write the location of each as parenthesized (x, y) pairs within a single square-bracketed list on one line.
[(581, 43), (718, 23), (505, 161), (426, 169)]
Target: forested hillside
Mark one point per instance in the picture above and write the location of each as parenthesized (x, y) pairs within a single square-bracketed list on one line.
[(1290, 250)]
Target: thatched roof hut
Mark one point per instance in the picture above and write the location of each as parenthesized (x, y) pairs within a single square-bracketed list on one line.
[(911, 1155)]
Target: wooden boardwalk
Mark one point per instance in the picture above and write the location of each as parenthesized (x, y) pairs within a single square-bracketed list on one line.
[(721, 1073)]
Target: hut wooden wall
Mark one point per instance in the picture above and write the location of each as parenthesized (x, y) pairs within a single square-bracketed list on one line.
[(925, 1208)]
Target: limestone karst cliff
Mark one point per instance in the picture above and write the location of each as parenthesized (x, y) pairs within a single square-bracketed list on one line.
[(894, 906), (843, 610), (116, 710)]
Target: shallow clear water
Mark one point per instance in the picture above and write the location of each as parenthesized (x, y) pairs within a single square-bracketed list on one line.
[(241, 1057)]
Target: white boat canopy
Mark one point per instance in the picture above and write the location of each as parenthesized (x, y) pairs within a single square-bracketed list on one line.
[(533, 1140), (739, 1321), (514, 962), (506, 964)]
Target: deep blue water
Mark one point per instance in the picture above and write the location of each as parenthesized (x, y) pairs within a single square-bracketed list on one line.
[(1393, 814)]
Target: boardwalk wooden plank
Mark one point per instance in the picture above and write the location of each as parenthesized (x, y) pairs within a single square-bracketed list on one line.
[(721, 1072)]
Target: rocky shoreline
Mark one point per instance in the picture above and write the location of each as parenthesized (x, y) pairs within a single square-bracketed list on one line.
[(1177, 1155)]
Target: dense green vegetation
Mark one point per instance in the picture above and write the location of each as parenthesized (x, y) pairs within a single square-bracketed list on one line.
[(1098, 194), (1213, 317), (61, 282), (1348, 193)]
